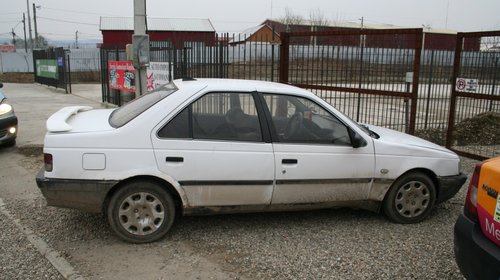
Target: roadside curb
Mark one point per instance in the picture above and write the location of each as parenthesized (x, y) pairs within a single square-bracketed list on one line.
[(58, 262)]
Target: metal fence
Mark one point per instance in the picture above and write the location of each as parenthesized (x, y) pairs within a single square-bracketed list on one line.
[(52, 68), (376, 85), (381, 77), (474, 121)]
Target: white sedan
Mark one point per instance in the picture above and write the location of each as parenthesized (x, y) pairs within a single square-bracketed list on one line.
[(212, 146)]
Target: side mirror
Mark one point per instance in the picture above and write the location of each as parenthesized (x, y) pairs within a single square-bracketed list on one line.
[(356, 140), (1, 85)]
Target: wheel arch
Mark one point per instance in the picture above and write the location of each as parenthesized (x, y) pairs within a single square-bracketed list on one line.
[(165, 184)]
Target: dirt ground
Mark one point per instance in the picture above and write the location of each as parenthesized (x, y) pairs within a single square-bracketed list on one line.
[(28, 77), (17, 77)]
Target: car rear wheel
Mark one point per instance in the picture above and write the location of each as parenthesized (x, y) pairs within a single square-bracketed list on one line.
[(410, 199), (141, 212)]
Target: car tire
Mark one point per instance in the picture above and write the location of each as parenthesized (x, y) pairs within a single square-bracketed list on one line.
[(141, 212), (410, 199)]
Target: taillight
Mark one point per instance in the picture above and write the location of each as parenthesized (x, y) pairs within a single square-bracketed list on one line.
[(47, 159), (470, 208)]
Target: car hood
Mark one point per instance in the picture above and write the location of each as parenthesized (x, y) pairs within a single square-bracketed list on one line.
[(76, 119), (406, 144)]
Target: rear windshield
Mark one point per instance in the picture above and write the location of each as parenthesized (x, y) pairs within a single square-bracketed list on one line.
[(134, 108)]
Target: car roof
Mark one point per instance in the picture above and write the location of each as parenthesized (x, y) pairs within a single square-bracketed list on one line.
[(239, 85)]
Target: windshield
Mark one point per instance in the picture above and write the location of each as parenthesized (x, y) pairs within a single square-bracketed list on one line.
[(129, 111)]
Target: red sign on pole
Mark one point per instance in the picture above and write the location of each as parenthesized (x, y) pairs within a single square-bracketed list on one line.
[(121, 75)]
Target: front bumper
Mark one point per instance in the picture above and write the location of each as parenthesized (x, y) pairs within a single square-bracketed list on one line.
[(86, 195), (449, 186), (476, 256), (5, 124)]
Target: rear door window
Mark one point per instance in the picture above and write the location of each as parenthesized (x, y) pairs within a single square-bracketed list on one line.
[(217, 116)]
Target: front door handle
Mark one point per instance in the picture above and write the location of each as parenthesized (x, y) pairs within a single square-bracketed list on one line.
[(289, 161), (174, 159)]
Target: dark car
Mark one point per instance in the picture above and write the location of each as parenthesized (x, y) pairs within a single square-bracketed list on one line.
[(8, 122), (477, 230)]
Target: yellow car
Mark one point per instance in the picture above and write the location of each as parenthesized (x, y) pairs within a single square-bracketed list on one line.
[(477, 230)]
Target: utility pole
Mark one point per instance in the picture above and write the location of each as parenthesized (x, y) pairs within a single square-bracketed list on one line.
[(24, 29), (29, 24), (13, 37), (76, 39), (140, 46), (362, 37), (34, 21)]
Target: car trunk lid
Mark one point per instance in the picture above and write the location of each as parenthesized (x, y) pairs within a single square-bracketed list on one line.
[(76, 119)]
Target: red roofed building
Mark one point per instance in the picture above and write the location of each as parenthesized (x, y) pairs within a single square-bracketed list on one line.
[(118, 31)]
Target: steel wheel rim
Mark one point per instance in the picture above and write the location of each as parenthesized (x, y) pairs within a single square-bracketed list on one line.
[(412, 199), (141, 213)]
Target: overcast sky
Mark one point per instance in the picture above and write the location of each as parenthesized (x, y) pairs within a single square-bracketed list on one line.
[(58, 19)]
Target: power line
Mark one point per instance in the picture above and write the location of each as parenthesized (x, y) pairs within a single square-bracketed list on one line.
[(77, 12), (68, 21), (11, 13)]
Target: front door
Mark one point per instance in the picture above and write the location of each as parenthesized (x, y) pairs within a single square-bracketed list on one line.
[(314, 158)]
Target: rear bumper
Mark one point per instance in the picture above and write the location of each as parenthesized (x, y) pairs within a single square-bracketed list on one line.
[(476, 256), (86, 195), (449, 186)]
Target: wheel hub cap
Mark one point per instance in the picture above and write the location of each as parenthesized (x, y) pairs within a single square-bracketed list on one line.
[(141, 213), (412, 199)]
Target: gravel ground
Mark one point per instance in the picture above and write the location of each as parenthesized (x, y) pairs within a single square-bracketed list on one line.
[(18, 258), (326, 244)]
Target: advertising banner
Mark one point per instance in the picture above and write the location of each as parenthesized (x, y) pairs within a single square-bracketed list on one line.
[(157, 74), (47, 68), (121, 75)]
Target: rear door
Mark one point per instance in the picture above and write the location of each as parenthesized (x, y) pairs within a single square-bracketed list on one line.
[(315, 161), (215, 149), (488, 199)]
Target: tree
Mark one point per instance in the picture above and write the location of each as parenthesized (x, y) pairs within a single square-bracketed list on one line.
[(317, 18), (291, 18), (39, 43)]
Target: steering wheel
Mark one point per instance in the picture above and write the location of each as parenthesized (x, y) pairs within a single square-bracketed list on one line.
[(294, 125)]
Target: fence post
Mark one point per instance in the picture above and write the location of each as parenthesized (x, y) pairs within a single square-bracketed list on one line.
[(456, 71), (431, 66), (416, 75), (284, 56), (69, 74), (221, 60)]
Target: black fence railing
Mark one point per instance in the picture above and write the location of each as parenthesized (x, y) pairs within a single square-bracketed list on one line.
[(381, 77), (474, 122)]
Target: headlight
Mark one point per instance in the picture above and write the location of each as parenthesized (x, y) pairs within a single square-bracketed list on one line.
[(5, 108)]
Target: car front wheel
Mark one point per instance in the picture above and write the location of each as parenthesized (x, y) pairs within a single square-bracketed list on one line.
[(141, 212), (410, 199)]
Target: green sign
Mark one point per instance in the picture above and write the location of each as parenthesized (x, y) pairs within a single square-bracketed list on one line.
[(47, 68)]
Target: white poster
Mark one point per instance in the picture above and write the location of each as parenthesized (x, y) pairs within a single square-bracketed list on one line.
[(158, 74), (466, 85)]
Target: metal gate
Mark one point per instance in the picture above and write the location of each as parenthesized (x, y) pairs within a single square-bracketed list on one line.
[(371, 75), (52, 68), (474, 120)]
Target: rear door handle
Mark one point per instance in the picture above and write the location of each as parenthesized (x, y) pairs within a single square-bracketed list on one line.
[(289, 161), (174, 159)]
